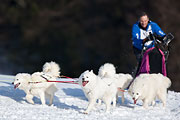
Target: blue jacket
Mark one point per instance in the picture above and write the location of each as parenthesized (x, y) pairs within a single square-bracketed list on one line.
[(138, 34)]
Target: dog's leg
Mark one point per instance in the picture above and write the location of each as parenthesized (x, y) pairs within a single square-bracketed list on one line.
[(42, 97), (51, 99), (153, 103), (122, 97), (162, 96), (145, 103), (108, 104), (29, 98), (90, 106), (117, 94), (114, 101)]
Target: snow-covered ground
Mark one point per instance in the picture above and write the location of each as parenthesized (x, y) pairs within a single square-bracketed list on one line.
[(69, 102)]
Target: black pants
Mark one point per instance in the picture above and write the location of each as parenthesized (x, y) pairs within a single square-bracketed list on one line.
[(137, 53)]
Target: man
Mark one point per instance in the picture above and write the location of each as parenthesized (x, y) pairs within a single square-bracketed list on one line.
[(140, 33)]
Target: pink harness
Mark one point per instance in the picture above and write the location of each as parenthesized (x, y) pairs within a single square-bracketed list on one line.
[(145, 68)]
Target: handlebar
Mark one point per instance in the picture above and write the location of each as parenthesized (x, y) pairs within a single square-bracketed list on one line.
[(156, 40)]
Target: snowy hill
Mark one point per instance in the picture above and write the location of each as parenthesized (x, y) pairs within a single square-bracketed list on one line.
[(70, 101)]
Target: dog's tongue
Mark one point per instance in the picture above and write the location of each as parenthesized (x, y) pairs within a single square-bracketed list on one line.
[(134, 100), (84, 83), (15, 86)]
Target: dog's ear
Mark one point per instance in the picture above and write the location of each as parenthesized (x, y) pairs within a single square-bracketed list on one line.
[(91, 71), (87, 71), (27, 77)]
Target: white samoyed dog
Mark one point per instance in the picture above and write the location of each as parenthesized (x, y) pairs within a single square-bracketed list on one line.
[(121, 80), (96, 88), (147, 87), (37, 85)]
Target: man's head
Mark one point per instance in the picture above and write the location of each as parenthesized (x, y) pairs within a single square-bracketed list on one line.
[(143, 20)]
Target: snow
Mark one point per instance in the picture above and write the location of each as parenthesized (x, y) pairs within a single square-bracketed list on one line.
[(69, 102)]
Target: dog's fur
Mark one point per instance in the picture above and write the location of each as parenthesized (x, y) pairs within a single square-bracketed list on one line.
[(147, 87), (121, 80), (96, 88), (37, 85), (52, 69)]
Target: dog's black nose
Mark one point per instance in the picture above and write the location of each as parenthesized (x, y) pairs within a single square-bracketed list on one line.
[(83, 79), (13, 83)]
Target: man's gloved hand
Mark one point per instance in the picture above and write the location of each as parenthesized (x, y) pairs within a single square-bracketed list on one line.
[(145, 40), (151, 37)]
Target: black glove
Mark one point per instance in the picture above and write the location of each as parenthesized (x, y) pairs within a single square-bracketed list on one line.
[(145, 40), (150, 37), (160, 38)]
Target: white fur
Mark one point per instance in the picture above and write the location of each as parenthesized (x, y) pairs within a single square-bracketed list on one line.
[(37, 85), (107, 70), (121, 80), (98, 88), (147, 87), (51, 68)]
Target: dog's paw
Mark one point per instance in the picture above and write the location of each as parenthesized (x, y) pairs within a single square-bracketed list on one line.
[(83, 112), (139, 108), (50, 104), (108, 111), (44, 105), (30, 101)]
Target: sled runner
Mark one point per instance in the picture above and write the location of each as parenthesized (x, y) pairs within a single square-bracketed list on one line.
[(153, 60)]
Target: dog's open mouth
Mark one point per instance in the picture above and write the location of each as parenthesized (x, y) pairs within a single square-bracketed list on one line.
[(134, 100), (84, 83), (16, 86)]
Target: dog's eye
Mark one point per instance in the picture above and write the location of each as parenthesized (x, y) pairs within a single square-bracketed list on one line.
[(133, 93), (17, 79), (137, 93), (86, 76)]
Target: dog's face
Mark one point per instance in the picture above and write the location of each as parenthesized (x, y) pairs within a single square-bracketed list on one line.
[(21, 79), (135, 92), (135, 95), (86, 78)]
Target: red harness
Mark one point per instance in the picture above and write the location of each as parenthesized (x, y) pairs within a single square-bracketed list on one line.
[(72, 82), (119, 89)]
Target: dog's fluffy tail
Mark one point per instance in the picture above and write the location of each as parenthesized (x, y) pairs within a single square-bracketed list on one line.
[(51, 68), (107, 70), (167, 82), (129, 79), (124, 80)]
